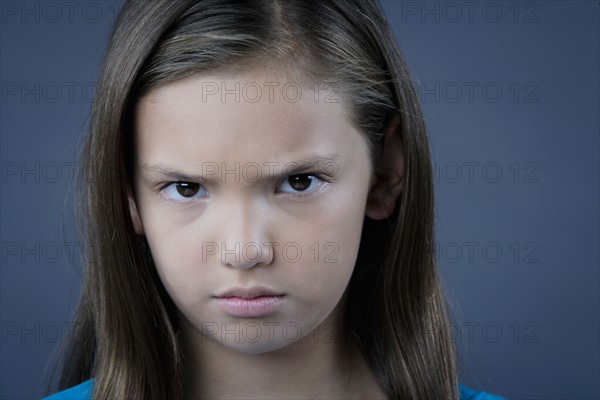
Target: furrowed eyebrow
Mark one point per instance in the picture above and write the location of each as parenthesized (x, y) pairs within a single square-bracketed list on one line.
[(160, 171), (322, 164), (316, 164)]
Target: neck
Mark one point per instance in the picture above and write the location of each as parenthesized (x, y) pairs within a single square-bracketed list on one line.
[(323, 364)]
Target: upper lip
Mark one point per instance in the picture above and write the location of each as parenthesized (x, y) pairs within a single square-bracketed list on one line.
[(249, 293)]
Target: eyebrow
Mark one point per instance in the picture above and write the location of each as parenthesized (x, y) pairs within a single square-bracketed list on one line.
[(325, 163)]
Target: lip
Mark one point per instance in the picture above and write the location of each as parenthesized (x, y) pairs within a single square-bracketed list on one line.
[(249, 293), (250, 302)]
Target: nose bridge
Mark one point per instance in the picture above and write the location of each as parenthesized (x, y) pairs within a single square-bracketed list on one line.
[(243, 224), (243, 234)]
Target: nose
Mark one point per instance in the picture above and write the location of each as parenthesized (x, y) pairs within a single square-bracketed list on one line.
[(244, 243), (245, 255)]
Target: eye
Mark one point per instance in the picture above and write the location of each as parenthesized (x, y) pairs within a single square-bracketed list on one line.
[(301, 184), (184, 191)]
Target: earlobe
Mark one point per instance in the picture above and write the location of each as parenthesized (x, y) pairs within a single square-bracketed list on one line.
[(135, 216), (389, 184)]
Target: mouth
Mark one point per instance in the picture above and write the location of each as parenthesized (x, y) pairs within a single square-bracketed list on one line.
[(250, 302), (249, 293)]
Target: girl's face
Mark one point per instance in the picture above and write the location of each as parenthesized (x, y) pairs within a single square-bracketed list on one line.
[(251, 192)]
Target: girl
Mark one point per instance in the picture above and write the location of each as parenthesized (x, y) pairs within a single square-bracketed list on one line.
[(258, 190)]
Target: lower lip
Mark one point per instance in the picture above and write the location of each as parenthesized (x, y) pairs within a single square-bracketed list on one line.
[(254, 307)]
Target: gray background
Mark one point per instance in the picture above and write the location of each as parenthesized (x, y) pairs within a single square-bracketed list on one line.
[(511, 94)]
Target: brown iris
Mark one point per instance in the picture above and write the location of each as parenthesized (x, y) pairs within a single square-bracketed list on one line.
[(187, 189), (300, 182)]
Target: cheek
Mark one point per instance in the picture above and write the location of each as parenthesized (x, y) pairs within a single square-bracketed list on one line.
[(337, 228), (329, 243), (177, 251)]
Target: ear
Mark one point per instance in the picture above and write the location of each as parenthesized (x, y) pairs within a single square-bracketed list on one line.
[(135, 216), (389, 182)]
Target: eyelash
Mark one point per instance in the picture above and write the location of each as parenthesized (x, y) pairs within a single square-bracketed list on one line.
[(323, 180), (167, 185)]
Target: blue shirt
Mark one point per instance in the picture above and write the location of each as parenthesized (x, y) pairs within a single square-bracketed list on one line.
[(83, 391)]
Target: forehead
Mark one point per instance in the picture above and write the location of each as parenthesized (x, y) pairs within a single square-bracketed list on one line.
[(250, 115)]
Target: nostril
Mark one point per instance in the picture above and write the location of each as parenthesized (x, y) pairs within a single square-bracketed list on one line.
[(245, 256)]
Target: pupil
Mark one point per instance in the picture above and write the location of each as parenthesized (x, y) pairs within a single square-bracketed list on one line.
[(300, 182), (187, 189)]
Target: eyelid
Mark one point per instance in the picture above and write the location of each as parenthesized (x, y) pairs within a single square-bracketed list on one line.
[(316, 173), (183, 200), (325, 180), (165, 184)]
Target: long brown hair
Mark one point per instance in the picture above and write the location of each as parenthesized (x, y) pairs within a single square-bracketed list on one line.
[(126, 326)]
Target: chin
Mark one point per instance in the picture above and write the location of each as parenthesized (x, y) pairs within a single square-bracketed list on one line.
[(255, 348)]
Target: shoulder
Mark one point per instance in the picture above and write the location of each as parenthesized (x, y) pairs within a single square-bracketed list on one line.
[(83, 391), (467, 393)]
